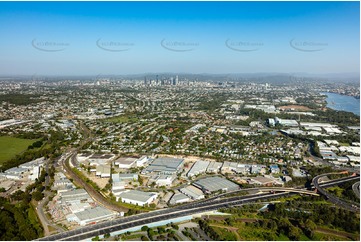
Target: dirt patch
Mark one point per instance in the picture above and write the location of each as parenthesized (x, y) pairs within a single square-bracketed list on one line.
[(337, 233), (249, 220), (295, 108)]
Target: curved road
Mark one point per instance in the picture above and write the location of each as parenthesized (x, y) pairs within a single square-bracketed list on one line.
[(332, 198), (92, 192), (356, 189)]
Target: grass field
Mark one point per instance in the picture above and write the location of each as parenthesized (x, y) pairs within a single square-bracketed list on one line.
[(10, 146), (121, 119)]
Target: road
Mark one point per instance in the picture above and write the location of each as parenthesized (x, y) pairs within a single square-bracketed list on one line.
[(156, 216), (356, 189), (43, 219), (332, 198), (40, 207), (64, 160), (165, 214), (99, 198)]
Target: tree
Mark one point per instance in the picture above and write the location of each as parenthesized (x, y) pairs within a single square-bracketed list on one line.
[(229, 221), (96, 238), (310, 226), (144, 228), (37, 195), (294, 233), (18, 195), (174, 226)]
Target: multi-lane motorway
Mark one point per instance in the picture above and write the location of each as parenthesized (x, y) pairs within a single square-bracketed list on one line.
[(155, 216), (170, 213), (332, 198)]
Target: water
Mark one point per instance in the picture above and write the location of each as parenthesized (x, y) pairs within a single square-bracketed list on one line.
[(342, 102)]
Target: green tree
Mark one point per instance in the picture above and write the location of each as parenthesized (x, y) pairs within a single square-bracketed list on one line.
[(294, 233), (37, 195), (96, 238)]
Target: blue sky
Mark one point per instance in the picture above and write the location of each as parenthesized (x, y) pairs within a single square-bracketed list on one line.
[(88, 38)]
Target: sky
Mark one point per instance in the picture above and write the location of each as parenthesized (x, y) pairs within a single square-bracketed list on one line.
[(88, 38)]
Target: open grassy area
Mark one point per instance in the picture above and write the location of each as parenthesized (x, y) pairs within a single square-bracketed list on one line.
[(10, 146), (122, 119)]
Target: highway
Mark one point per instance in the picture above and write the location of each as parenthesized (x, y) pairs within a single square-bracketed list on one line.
[(175, 212), (155, 216), (356, 189), (332, 198)]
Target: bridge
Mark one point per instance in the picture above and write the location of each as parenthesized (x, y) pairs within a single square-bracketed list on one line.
[(290, 190)]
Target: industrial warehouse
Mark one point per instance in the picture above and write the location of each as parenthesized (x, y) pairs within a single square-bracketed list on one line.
[(166, 166), (214, 184), (137, 197), (91, 216)]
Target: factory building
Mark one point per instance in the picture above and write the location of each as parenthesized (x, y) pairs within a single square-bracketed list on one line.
[(125, 162), (91, 216), (103, 171), (192, 192), (215, 184), (198, 167), (166, 166), (214, 167), (137, 197), (179, 198), (142, 161), (75, 196)]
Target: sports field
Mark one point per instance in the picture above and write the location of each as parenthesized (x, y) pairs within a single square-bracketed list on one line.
[(10, 146)]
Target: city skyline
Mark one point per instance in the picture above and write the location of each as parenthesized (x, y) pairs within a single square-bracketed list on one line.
[(122, 38)]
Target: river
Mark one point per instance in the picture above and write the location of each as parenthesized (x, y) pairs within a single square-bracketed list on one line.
[(342, 102)]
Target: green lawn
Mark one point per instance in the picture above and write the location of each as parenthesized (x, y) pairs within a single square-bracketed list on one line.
[(10, 146)]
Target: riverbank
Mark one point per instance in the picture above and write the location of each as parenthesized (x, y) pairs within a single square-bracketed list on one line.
[(342, 102)]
